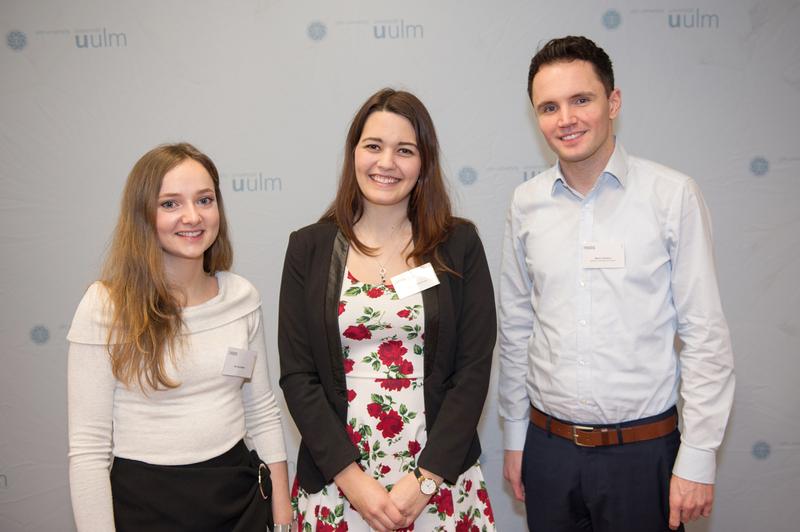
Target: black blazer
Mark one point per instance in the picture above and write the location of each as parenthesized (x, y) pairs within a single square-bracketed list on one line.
[(460, 332)]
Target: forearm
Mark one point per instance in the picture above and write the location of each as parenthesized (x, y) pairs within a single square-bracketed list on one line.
[(281, 506)]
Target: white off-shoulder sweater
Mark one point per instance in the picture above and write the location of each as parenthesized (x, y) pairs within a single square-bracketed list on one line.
[(200, 419)]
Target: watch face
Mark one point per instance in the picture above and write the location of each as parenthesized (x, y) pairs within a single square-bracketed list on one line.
[(428, 486)]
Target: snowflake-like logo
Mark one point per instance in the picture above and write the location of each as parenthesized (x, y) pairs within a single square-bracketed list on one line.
[(759, 166), (612, 19), (467, 175), (761, 450), (40, 335), (16, 40), (317, 31)]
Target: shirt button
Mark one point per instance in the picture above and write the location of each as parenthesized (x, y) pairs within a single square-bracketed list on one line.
[(582, 362), (583, 283), (582, 322), (585, 401)]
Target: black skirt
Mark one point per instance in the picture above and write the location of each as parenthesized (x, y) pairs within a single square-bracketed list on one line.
[(229, 493)]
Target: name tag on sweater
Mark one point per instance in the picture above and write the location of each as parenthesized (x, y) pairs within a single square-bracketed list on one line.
[(415, 280), (239, 363), (603, 255)]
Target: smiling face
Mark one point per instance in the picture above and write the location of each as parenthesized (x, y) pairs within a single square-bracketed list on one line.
[(387, 159), (187, 217), (575, 115)]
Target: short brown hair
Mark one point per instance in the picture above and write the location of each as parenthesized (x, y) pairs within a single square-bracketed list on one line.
[(571, 48)]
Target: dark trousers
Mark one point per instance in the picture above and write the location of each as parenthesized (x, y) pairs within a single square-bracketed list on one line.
[(617, 488)]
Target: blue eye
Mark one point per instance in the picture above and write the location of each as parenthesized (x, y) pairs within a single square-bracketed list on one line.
[(169, 204), (206, 200)]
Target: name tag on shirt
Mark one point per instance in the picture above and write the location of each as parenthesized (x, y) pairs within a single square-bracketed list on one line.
[(239, 363), (603, 255), (415, 280)]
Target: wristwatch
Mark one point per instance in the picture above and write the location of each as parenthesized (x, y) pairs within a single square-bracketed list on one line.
[(282, 528), (427, 486)]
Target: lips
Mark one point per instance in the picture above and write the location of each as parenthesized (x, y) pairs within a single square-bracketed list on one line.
[(189, 234), (384, 179), (572, 136)]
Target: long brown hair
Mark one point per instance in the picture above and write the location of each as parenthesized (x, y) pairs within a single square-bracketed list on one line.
[(145, 315), (429, 207)]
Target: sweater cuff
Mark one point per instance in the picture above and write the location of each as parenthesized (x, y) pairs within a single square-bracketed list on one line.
[(514, 433), (697, 465)]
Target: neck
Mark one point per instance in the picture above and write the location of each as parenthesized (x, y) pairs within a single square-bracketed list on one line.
[(380, 223), (189, 282), (582, 175)]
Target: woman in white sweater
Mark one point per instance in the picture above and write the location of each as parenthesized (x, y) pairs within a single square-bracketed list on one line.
[(167, 373)]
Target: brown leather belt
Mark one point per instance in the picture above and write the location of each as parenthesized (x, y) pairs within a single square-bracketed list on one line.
[(584, 436)]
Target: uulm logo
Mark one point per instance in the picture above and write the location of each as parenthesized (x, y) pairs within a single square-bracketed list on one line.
[(693, 19), (398, 29), (100, 39), (3, 481), (255, 182)]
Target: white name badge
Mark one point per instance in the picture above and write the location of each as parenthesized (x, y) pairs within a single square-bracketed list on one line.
[(603, 255), (413, 281), (239, 363)]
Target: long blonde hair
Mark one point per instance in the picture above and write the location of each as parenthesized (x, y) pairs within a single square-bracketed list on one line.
[(145, 315)]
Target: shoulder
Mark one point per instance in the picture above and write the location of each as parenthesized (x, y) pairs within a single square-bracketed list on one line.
[(92, 317), (535, 187), (462, 239), (321, 230), (659, 175), (462, 230), (237, 299)]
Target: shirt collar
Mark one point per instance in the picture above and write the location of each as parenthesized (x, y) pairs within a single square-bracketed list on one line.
[(616, 167)]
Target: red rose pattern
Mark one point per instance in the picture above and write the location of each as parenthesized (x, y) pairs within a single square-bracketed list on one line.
[(391, 352), (357, 332), (375, 292), (348, 365), (390, 424), (414, 447), (382, 358)]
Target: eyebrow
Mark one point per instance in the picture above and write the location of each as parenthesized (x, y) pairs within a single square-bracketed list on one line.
[(377, 139), (177, 195)]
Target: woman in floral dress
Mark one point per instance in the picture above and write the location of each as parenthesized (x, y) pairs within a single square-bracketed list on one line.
[(386, 331)]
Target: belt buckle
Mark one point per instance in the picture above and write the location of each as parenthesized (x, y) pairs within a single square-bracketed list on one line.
[(576, 435)]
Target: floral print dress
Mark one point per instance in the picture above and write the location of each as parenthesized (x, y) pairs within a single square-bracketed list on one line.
[(382, 346)]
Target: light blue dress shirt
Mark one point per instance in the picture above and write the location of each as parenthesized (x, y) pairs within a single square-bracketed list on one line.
[(598, 345)]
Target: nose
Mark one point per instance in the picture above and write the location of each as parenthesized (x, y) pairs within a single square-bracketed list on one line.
[(386, 159), (191, 215), (566, 117)]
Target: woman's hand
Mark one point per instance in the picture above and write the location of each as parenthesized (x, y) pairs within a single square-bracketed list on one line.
[(369, 498), (408, 498)]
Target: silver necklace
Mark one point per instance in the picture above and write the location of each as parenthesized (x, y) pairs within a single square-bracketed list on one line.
[(381, 267)]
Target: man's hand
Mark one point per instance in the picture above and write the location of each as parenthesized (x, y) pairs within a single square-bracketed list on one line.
[(512, 471), (688, 501)]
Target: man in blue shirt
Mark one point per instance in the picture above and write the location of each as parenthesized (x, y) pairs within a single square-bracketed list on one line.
[(606, 259)]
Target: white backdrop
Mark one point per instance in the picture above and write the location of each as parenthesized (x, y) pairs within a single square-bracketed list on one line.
[(267, 89)]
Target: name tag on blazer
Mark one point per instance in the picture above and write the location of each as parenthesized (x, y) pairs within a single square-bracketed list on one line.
[(415, 280)]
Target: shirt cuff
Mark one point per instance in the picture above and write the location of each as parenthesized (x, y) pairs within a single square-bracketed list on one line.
[(514, 433), (697, 465)]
